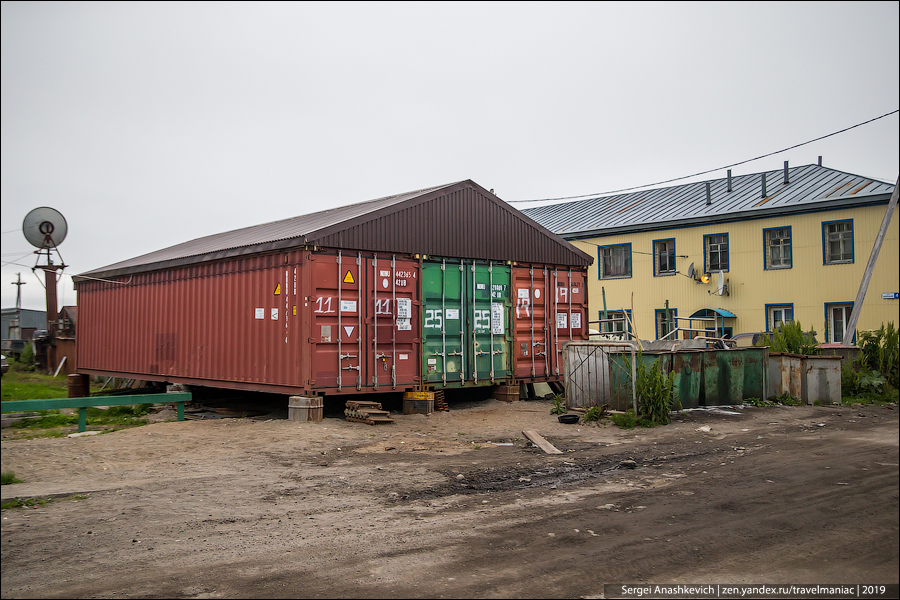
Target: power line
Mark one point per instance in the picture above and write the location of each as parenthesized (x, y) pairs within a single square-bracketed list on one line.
[(637, 187)]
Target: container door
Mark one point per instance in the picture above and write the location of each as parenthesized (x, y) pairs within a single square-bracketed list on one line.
[(443, 322), (531, 322), (488, 321), (337, 321), (391, 323), (569, 306)]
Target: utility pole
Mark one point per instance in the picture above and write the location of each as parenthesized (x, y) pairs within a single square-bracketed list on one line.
[(19, 283), (864, 284)]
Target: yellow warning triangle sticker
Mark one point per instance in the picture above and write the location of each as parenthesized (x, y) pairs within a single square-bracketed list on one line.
[(348, 278), (277, 289)]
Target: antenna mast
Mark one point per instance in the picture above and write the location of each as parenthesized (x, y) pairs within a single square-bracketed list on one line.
[(45, 229)]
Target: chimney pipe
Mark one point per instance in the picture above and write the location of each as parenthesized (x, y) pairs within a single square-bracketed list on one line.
[(820, 161), (729, 180), (708, 195), (763, 185), (786, 173)]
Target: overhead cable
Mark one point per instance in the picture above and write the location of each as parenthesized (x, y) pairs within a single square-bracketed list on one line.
[(637, 187)]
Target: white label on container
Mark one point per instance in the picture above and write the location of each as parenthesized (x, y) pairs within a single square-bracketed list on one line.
[(537, 293), (404, 325), (576, 320), (480, 286), (348, 306), (260, 313), (452, 314), (523, 293), (385, 283), (348, 329), (404, 357), (497, 324), (574, 290), (274, 314), (562, 321), (404, 308), (326, 334), (432, 361)]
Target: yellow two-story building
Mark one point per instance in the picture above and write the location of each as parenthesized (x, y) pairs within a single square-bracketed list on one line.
[(736, 256)]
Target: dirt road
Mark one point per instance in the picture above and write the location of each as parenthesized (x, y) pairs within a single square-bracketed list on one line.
[(426, 507)]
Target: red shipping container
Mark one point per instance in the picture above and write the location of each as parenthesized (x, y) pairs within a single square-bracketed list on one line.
[(297, 322)]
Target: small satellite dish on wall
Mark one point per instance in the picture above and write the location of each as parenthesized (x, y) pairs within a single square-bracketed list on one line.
[(45, 228), (720, 288), (690, 272)]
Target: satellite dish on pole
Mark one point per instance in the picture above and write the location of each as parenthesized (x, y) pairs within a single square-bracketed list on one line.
[(45, 228), (721, 286), (690, 272)]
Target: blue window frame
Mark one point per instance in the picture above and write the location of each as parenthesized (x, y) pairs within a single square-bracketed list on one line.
[(615, 261), (837, 242), (778, 245), (723, 332), (715, 252), (836, 316), (778, 314), (666, 322), (663, 257)]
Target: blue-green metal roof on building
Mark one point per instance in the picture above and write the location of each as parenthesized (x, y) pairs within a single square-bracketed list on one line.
[(807, 188)]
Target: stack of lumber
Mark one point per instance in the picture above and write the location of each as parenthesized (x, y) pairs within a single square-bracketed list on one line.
[(361, 411)]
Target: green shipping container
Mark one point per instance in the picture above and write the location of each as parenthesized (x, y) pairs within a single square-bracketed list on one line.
[(466, 329)]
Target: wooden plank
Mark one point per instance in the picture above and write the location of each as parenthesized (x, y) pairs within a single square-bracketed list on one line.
[(544, 445)]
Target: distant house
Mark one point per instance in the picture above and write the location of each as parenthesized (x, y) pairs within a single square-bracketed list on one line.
[(740, 254), (65, 339), (18, 325)]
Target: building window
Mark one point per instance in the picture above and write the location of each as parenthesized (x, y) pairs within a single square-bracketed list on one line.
[(615, 323), (778, 248), (663, 257), (721, 332), (837, 241), (666, 323), (716, 246), (777, 315), (615, 261), (837, 316)]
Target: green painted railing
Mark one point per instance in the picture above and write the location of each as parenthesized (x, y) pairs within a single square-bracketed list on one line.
[(82, 404)]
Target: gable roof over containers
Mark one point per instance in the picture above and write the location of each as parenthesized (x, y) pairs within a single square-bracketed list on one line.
[(809, 188), (459, 219)]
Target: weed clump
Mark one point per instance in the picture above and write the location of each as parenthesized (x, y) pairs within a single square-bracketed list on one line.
[(9, 477)]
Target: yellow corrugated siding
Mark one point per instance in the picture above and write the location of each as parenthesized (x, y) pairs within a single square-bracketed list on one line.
[(808, 285)]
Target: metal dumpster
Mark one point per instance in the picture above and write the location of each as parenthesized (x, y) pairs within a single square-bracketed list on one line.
[(820, 379), (784, 374), (687, 368), (621, 393)]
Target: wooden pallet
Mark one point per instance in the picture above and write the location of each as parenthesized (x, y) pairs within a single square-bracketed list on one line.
[(370, 413)]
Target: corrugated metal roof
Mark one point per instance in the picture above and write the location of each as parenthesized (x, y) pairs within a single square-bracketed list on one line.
[(458, 219), (810, 187)]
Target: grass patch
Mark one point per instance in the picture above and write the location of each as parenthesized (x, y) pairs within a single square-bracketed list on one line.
[(117, 416), (9, 477), (52, 423), (627, 420), (31, 385)]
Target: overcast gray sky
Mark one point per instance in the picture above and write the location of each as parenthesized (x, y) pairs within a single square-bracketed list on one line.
[(150, 124)]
